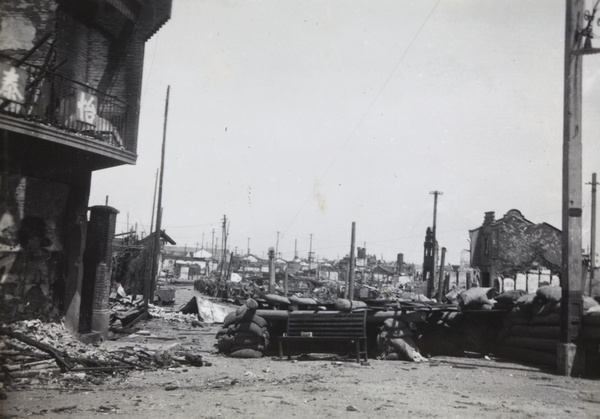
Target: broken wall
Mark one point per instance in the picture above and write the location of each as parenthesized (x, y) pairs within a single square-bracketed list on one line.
[(32, 257)]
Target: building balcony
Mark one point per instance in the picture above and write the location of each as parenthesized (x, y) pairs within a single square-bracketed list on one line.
[(47, 106)]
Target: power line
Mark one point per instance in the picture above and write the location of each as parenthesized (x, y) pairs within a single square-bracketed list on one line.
[(366, 112)]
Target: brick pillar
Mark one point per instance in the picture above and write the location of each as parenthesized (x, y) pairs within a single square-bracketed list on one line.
[(97, 270)]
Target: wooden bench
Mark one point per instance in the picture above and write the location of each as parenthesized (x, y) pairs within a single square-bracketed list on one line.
[(326, 326)]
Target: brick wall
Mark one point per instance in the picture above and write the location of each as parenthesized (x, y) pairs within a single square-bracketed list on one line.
[(516, 245)]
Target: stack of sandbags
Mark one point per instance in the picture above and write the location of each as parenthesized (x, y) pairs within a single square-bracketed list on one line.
[(477, 299), (395, 342), (244, 333), (532, 329)]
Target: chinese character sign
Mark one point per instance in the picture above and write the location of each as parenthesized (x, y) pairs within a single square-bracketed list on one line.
[(86, 108), (12, 86)]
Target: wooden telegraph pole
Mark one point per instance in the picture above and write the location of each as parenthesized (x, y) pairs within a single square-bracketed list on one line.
[(572, 287), (159, 209), (352, 263), (593, 236), (271, 270)]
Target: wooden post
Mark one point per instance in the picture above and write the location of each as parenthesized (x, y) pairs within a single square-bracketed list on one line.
[(352, 263), (572, 304), (159, 209), (441, 277), (271, 270), (593, 237)]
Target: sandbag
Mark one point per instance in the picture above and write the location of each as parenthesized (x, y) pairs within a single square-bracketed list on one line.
[(246, 340), (222, 332), (250, 327), (474, 297), (276, 299), (345, 305), (589, 302), (594, 310), (229, 319), (453, 295), (524, 303), (294, 299), (256, 347), (246, 353), (510, 297), (224, 344), (259, 320), (549, 293)]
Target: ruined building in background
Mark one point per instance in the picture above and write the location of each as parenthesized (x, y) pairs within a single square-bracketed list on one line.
[(70, 85), (514, 245)]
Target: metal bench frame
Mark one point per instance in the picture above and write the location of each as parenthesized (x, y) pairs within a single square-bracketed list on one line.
[(327, 327)]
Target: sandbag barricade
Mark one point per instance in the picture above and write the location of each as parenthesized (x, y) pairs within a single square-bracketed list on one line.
[(244, 333), (531, 330), (395, 342)]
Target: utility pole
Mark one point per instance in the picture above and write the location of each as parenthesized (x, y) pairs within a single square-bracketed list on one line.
[(202, 242), (271, 270), (350, 288), (157, 230), (248, 245), (295, 248), (277, 246), (224, 245), (593, 236), (224, 235), (572, 292), (212, 244)]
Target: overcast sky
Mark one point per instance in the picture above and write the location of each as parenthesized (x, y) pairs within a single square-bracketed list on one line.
[(300, 117)]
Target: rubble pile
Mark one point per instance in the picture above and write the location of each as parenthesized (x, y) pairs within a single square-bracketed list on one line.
[(127, 310), (244, 333), (33, 349), (395, 342), (174, 316), (532, 328)]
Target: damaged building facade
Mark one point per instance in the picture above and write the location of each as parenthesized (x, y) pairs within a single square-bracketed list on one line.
[(512, 246), (71, 78)]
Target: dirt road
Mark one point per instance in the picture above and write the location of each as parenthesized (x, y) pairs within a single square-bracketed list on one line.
[(269, 388)]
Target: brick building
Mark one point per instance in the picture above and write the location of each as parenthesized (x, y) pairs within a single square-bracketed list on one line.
[(70, 85), (512, 245)]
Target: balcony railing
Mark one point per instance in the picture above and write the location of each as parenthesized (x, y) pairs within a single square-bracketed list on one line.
[(52, 99)]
